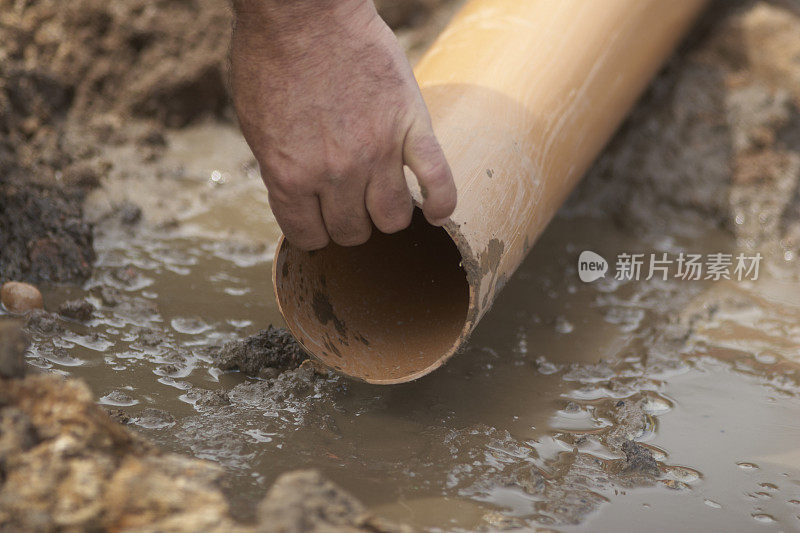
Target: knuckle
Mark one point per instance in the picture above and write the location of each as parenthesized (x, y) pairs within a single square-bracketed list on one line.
[(394, 214), (338, 169), (285, 185), (394, 222), (302, 236), (351, 234), (437, 172)]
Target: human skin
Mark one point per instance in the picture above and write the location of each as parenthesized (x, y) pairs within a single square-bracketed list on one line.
[(328, 103)]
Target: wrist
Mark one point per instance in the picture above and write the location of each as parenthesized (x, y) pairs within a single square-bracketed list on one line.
[(270, 16)]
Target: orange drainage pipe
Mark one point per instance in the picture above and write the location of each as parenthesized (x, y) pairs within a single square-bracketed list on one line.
[(524, 94)]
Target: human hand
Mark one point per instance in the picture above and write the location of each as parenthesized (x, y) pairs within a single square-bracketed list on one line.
[(329, 105)]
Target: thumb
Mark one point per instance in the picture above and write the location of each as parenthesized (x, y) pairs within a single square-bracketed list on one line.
[(423, 155)]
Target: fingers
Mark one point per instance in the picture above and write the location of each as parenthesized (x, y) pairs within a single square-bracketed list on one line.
[(425, 158), (389, 201), (301, 221), (345, 213)]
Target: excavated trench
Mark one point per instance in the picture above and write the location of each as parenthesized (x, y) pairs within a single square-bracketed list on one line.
[(579, 406)]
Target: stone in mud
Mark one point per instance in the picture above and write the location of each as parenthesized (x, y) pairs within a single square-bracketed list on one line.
[(305, 501), (20, 298), (639, 459), (269, 348), (13, 343), (79, 310)]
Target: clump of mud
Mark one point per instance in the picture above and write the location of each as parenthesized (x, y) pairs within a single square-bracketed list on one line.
[(639, 459), (78, 309), (272, 348)]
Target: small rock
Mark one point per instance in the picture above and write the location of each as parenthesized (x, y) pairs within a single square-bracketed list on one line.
[(127, 275), (148, 337), (168, 370), (19, 297), (79, 309)]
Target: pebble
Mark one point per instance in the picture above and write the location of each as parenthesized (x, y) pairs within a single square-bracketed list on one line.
[(19, 297)]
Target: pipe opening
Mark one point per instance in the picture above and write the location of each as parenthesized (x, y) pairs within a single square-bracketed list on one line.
[(387, 311)]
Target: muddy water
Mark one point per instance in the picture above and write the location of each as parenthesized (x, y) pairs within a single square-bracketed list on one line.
[(523, 428)]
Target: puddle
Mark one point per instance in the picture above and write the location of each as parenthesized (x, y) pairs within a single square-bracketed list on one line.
[(523, 428)]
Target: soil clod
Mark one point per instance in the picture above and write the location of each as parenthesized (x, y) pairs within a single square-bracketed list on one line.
[(78, 309), (269, 348), (639, 459)]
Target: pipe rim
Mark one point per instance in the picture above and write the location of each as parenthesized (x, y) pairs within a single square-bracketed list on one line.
[(452, 232)]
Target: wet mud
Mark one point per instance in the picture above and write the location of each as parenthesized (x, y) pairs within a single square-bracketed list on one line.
[(574, 406)]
